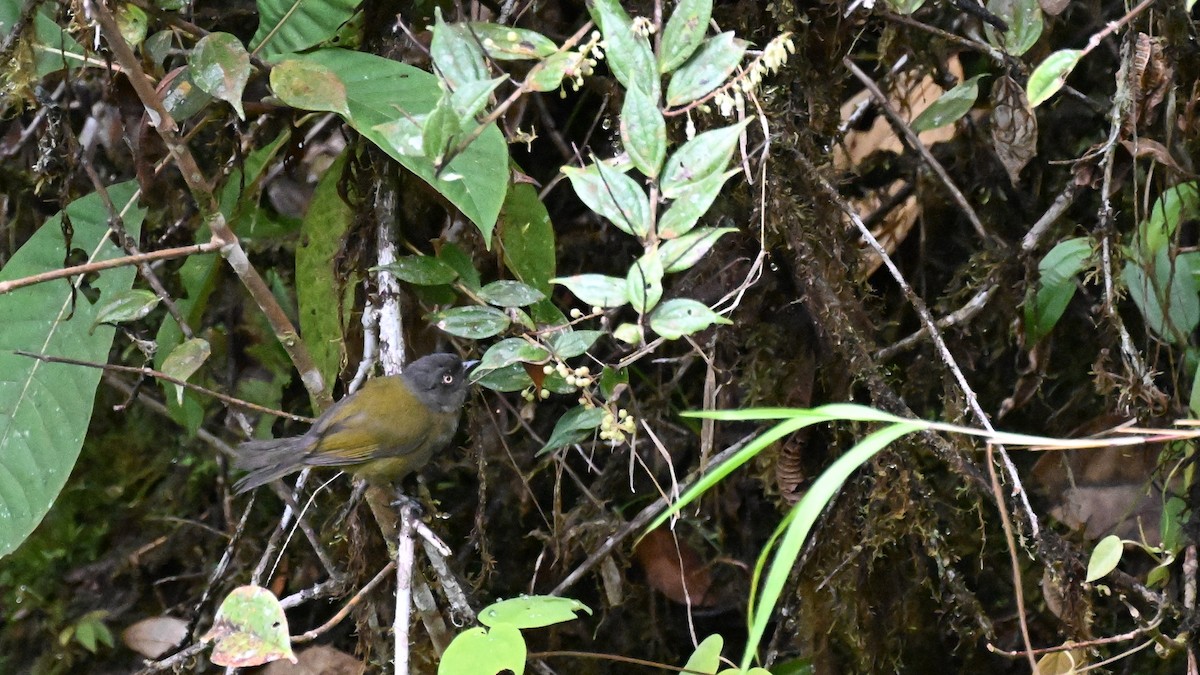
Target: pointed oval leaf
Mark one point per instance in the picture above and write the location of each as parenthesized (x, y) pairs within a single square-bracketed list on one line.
[(613, 195), (683, 33), (1105, 557), (456, 54), (1051, 74), (470, 99), (310, 86), (505, 293), (575, 426), (549, 74), (439, 131), (691, 202), (505, 43), (221, 67), (573, 342), (627, 53), (699, 158), (643, 132), (949, 107), (707, 657), (125, 306), (681, 316), (474, 322), (422, 270), (1056, 286), (644, 282), (532, 611), (288, 26), (707, 69), (509, 351), (184, 360), (684, 252), (1024, 19), (250, 629), (45, 407), (596, 290), (479, 650)]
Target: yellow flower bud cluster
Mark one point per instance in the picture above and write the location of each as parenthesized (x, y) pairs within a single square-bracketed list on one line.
[(773, 57), (613, 427)]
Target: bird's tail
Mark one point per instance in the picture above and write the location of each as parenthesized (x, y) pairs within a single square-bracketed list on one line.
[(267, 461)]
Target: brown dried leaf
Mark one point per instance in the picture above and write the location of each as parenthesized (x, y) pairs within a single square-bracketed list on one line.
[(1014, 127), (675, 571), (318, 660), (1150, 78), (1053, 7)]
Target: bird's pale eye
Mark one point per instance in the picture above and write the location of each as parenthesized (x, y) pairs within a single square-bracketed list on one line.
[(447, 379)]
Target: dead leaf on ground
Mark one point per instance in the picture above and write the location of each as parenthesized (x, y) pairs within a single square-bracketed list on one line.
[(909, 95), (1014, 127)]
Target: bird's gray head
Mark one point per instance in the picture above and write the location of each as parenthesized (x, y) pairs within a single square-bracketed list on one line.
[(439, 380)]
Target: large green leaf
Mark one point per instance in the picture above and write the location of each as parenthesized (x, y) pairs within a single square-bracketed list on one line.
[(381, 93), (45, 407), (51, 47), (323, 314), (286, 26)]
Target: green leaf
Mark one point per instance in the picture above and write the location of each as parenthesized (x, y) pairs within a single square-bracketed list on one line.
[(453, 255), (508, 378), (683, 33), (1105, 557), (510, 294), (310, 86), (704, 156), (684, 252), (475, 322), (184, 361), (510, 351), (423, 270), (180, 96), (382, 94), (627, 53), (470, 99), (644, 282), (949, 107), (576, 425), (456, 55), (682, 316), (250, 629), (612, 378), (643, 132), (439, 131), (531, 611), (572, 343), (324, 300), (691, 202), (286, 26), (550, 74), (476, 651), (125, 306), (707, 657), (613, 195), (1024, 19), (1174, 516), (52, 48), (1056, 286), (505, 43), (596, 290), (45, 407), (707, 69), (1167, 297), (221, 67), (1175, 205), (1050, 75), (527, 237)]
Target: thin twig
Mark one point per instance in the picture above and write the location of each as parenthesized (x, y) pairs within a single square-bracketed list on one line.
[(350, 604), (902, 128), (91, 267), (158, 374)]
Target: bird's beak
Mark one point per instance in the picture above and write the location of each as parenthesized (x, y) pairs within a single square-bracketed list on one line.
[(467, 365)]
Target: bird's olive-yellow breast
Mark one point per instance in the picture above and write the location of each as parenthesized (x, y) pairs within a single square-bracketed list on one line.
[(384, 431)]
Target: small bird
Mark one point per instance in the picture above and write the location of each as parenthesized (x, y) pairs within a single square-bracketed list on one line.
[(383, 432)]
